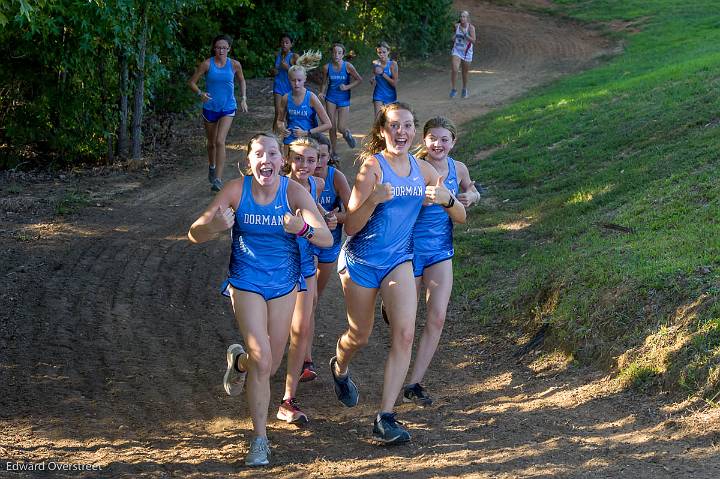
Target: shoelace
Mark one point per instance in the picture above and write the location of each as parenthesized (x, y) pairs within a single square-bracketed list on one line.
[(390, 418), (293, 404), (258, 446)]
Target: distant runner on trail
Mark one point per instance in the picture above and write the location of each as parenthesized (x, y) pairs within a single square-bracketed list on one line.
[(384, 78), (219, 104), (339, 77), (433, 247), (298, 108), (462, 52), (267, 213), (389, 191), (284, 59)]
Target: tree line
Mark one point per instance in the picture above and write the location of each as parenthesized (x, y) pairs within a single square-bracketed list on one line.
[(80, 79)]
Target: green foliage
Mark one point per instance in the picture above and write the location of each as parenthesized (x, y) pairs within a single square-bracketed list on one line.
[(60, 70), (633, 143)]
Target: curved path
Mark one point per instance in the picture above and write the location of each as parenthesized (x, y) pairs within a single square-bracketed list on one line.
[(113, 335)]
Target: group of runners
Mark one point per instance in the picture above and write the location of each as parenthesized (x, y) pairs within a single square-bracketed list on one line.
[(287, 215)]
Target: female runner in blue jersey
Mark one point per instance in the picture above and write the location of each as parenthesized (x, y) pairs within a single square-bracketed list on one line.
[(433, 243), (284, 59), (301, 163), (267, 213), (334, 198), (390, 188), (339, 77), (298, 109), (219, 104), (384, 78)]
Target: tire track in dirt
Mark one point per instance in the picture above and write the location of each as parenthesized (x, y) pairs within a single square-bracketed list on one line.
[(119, 352)]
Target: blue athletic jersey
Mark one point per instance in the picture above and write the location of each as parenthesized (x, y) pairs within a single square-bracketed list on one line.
[(281, 84), (386, 239), (434, 228), (384, 91), (263, 254), (330, 200), (335, 79), (220, 84), (307, 249), (298, 116)]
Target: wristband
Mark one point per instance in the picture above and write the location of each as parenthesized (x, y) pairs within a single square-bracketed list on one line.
[(309, 233), (303, 230), (450, 203)]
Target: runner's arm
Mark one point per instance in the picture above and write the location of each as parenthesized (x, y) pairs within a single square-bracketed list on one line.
[(437, 193), (219, 216), (367, 193), (323, 118), (243, 87), (353, 73), (470, 194)]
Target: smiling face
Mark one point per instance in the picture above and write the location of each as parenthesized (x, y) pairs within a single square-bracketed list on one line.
[(297, 80), (221, 48), (398, 131), (265, 160), (303, 161), (439, 142), (322, 163)]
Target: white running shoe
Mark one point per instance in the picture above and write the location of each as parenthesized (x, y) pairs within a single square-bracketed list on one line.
[(259, 453), (234, 380)]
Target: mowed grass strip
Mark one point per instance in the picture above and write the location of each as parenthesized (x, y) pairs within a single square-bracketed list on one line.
[(601, 216)]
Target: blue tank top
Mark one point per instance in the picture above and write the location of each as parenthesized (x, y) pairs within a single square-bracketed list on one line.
[(220, 84), (384, 91), (330, 200), (306, 247), (434, 228), (298, 116), (281, 84), (386, 239), (262, 252), (335, 79)]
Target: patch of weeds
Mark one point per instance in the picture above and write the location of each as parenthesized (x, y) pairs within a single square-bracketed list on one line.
[(638, 376), (71, 202)]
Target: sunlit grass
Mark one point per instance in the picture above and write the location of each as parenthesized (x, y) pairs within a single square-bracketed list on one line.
[(633, 143)]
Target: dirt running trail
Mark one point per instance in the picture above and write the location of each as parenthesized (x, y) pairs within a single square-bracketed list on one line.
[(113, 334)]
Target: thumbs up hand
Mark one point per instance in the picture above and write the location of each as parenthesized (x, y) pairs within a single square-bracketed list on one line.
[(293, 224), (437, 194), (223, 219), (331, 219), (381, 193)]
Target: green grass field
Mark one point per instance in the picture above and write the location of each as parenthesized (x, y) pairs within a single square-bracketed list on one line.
[(602, 211)]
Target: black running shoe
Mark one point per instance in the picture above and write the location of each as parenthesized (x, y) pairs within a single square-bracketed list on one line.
[(416, 393), (346, 391), (389, 430)]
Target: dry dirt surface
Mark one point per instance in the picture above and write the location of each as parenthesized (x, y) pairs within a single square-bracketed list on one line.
[(113, 334)]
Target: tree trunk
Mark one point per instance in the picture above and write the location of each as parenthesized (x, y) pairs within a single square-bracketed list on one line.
[(124, 88), (139, 92)]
